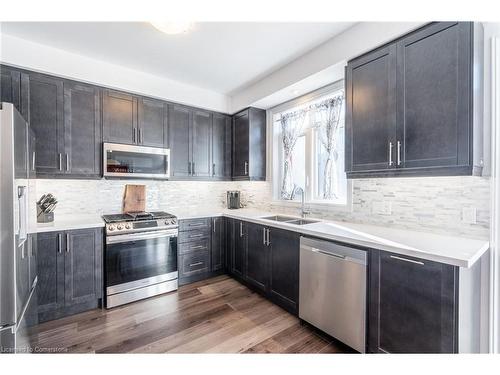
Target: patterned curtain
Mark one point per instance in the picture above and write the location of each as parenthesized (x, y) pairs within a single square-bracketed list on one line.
[(327, 121), (292, 127)]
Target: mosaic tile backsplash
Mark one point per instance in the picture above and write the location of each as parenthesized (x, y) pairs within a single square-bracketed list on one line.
[(425, 204)]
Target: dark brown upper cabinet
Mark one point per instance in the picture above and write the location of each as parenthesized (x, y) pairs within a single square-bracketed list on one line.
[(152, 124), (249, 145), (409, 105), (201, 129), (82, 129), (221, 146), (119, 116), (179, 137), (45, 95)]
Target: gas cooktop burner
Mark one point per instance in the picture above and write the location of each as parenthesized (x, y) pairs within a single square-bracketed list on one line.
[(137, 216)]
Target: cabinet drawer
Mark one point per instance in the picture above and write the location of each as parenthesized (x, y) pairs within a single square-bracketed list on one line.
[(194, 246), (194, 235), (193, 264), (192, 224)]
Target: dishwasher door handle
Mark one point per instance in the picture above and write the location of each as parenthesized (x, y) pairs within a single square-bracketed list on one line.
[(314, 250)]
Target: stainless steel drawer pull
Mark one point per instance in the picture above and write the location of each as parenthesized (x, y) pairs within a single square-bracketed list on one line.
[(246, 168), (67, 163), (328, 253), (60, 161), (59, 247), (198, 247), (34, 158), (196, 235), (67, 242), (214, 223), (198, 224), (407, 260), (390, 154), (241, 229), (195, 264)]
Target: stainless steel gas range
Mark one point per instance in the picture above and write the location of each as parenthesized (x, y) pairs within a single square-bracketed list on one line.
[(140, 256)]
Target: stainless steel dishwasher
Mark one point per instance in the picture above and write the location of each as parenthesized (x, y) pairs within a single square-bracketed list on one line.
[(333, 290)]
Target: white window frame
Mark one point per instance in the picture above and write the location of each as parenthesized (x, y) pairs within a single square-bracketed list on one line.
[(274, 163)]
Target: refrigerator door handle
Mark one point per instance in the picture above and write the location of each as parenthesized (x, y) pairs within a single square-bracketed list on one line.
[(23, 215)]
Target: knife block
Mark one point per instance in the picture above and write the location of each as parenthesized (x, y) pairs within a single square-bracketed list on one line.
[(42, 217)]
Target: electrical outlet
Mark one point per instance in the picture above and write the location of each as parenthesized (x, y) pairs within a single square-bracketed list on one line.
[(469, 215), (382, 207)]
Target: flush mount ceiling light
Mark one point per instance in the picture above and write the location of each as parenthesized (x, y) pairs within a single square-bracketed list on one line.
[(177, 27)]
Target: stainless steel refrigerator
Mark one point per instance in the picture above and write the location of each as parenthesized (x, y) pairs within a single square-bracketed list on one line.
[(18, 273)]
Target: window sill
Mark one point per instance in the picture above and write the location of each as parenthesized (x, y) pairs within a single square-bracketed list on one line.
[(314, 205)]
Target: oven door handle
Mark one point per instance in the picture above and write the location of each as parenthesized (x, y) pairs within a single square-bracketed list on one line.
[(140, 236)]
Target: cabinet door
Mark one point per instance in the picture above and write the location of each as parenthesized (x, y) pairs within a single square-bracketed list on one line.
[(434, 96), (284, 268), (10, 91), (46, 118), (257, 256), (119, 116), (50, 271), (221, 146), (371, 111), (179, 136), (412, 306), (82, 122), (240, 144), (200, 146), (83, 252), (218, 244), (152, 123), (238, 248)]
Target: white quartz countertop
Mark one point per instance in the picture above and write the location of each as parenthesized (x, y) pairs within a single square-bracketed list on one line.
[(66, 222), (453, 250)]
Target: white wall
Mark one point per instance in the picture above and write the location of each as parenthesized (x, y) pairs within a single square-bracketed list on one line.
[(358, 39), (45, 59)]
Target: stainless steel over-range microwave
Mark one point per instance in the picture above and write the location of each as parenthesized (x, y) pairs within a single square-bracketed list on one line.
[(135, 161)]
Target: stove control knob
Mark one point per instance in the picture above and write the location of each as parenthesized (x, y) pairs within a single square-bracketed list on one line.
[(167, 222), (172, 221), (128, 226), (119, 227), (111, 228)]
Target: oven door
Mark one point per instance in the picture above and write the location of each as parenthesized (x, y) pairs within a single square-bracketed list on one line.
[(139, 260), (135, 161)]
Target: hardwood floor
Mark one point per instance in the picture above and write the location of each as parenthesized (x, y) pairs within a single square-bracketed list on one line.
[(217, 315)]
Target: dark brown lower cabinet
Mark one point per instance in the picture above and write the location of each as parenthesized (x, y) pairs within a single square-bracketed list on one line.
[(412, 305), (69, 272)]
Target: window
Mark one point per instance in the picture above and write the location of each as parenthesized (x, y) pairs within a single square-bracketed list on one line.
[(308, 148)]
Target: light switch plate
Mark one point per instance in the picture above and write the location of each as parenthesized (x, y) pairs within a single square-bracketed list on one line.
[(382, 208), (469, 215)]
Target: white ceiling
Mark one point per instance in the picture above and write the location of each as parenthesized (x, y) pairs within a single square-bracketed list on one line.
[(223, 57)]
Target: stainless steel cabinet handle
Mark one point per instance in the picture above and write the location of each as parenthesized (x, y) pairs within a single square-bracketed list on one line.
[(33, 160), (246, 168), (213, 169), (192, 167), (213, 223), (134, 132), (195, 264), (67, 162), (141, 135), (196, 235), (22, 250), (32, 247), (407, 260), (264, 236), (399, 153), (59, 247), (67, 242), (189, 167), (390, 153), (60, 161), (241, 229), (268, 240)]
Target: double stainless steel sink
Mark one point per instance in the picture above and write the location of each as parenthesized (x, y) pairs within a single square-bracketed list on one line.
[(290, 220)]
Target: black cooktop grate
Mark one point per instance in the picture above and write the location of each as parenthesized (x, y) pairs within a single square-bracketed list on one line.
[(136, 216)]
